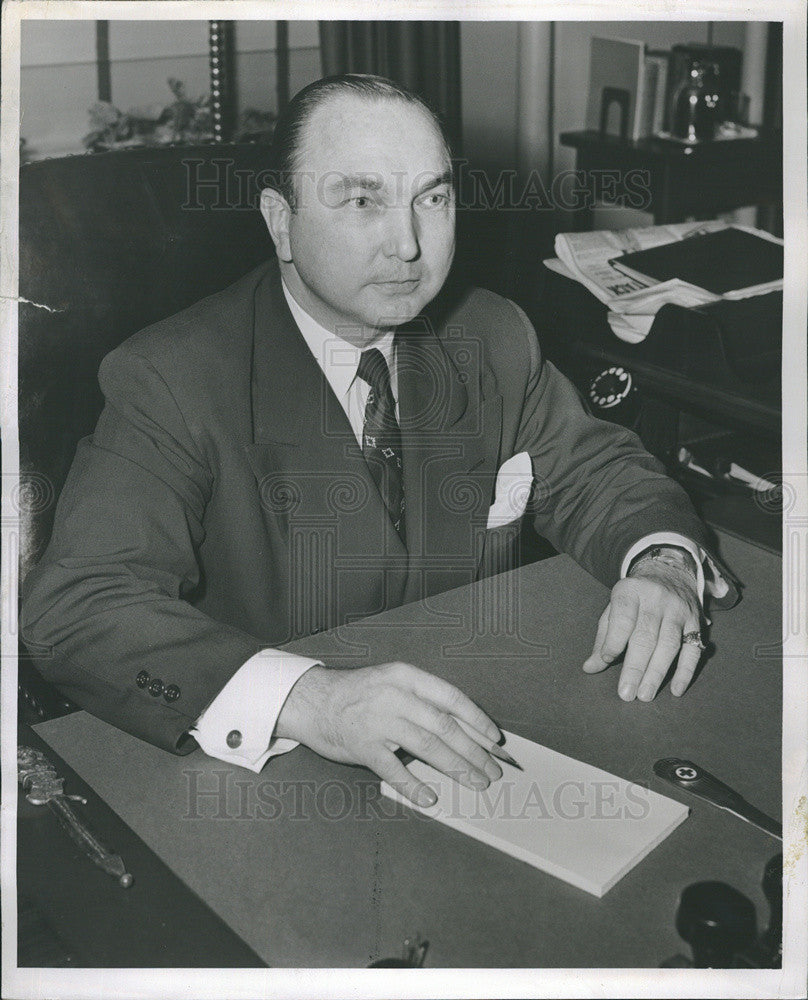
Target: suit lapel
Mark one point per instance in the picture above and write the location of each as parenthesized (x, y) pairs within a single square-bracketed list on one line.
[(313, 482), (287, 383)]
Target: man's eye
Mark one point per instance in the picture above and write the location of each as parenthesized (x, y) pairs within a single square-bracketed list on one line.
[(434, 199), (361, 201)]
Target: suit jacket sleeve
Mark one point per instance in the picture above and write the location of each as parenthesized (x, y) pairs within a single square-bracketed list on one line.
[(597, 490), (109, 598)]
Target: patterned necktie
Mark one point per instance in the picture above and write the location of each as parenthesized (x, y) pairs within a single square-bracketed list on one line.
[(381, 436)]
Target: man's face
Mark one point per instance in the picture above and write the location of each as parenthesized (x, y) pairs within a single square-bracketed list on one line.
[(372, 238)]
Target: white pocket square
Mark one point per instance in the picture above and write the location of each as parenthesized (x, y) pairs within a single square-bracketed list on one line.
[(514, 482)]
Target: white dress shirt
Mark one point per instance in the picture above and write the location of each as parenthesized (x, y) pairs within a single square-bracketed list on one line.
[(238, 724)]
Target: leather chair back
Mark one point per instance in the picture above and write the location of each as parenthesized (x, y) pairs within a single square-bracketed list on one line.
[(110, 243)]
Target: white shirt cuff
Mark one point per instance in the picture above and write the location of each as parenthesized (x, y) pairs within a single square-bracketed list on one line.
[(238, 724)]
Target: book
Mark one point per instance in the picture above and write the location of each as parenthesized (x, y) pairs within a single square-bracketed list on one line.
[(560, 815), (649, 91), (727, 261), (616, 64), (662, 61)]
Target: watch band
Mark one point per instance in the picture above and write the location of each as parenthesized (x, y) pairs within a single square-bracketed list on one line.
[(670, 555)]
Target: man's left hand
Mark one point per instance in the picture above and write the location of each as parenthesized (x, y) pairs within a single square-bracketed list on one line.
[(648, 614)]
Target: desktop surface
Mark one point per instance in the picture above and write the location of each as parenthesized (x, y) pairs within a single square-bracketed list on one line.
[(308, 869)]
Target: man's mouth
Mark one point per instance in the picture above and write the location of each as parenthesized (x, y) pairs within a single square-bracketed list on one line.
[(400, 286)]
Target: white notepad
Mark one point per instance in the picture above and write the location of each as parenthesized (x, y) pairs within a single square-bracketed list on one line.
[(567, 818)]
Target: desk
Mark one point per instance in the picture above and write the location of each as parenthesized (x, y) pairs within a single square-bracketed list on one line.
[(573, 325), (673, 377), (83, 918), (322, 885), (701, 180)]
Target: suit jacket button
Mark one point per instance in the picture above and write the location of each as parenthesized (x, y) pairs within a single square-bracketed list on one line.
[(156, 688), (233, 739), (171, 693), (142, 679), (316, 629)]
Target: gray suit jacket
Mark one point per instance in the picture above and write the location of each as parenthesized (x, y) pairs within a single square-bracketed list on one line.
[(223, 503)]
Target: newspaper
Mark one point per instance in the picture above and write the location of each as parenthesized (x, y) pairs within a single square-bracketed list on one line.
[(632, 303)]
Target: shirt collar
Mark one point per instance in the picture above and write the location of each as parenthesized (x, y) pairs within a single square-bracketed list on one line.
[(337, 358)]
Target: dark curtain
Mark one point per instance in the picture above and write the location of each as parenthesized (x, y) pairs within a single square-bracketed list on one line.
[(771, 217), (422, 55), (773, 91)]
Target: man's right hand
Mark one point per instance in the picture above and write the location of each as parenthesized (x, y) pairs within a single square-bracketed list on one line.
[(363, 716)]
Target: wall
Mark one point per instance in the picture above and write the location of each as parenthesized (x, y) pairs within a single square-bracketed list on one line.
[(59, 76), (256, 65), (572, 61), (572, 83), (490, 73), (488, 52), (59, 82), (490, 91)]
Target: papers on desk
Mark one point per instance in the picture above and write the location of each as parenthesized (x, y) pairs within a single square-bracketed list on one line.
[(567, 818), (731, 262), (633, 301)]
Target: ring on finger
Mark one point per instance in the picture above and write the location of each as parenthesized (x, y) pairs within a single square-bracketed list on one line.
[(693, 639)]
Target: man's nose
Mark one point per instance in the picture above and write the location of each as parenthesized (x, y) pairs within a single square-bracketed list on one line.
[(401, 238)]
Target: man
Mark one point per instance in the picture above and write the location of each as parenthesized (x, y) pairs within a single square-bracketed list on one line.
[(300, 450)]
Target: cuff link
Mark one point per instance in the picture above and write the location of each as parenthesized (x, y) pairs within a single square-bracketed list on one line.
[(234, 739)]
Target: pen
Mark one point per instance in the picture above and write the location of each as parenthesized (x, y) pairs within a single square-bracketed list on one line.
[(493, 748)]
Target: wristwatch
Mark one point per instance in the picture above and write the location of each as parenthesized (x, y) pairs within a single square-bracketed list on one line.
[(670, 555)]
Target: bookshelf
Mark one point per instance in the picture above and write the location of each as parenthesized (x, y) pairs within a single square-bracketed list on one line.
[(674, 181)]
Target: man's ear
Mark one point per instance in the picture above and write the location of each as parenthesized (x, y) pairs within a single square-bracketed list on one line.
[(276, 212)]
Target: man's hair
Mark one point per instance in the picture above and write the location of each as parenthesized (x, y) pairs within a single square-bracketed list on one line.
[(287, 138)]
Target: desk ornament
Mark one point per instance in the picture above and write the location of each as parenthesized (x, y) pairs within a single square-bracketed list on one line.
[(692, 778), (43, 787)]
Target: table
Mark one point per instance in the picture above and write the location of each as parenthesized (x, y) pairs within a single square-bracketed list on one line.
[(306, 869), (675, 181)]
